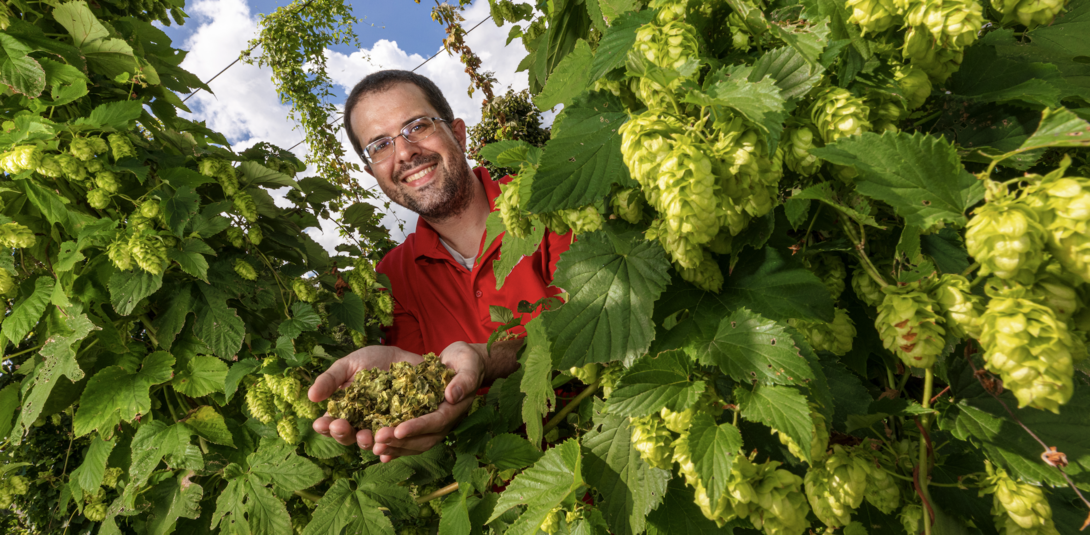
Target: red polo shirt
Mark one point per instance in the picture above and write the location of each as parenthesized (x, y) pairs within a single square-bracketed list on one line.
[(437, 301)]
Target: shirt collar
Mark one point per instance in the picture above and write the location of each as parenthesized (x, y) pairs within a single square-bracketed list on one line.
[(427, 239)]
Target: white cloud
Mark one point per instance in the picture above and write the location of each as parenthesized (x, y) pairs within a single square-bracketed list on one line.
[(247, 110)]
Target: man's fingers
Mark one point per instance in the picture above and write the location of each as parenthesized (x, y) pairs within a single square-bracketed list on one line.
[(321, 425), (329, 381), (438, 422), (415, 446), (463, 385), (364, 439), (342, 432)]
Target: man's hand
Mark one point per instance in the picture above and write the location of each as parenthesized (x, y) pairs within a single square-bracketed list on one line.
[(414, 436)]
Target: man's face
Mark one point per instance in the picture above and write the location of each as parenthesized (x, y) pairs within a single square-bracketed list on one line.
[(430, 177)]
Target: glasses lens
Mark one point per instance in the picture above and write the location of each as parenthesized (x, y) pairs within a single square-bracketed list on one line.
[(419, 129), (380, 149)]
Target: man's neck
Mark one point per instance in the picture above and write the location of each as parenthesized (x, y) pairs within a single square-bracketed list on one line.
[(463, 231)]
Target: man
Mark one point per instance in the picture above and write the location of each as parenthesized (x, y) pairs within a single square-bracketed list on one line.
[(402, 127)]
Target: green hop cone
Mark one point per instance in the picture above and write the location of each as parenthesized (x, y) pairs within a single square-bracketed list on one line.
[(1005, 235), (50, 167), (668, 45), (651, 438), (245, 206), (287, 429), (583, 220), (259, 401), (628, 205), (121, 147), (686, 200), (706, 275), (780, 507), (150, 209), (959, 306), (939, 63), (107, 180), (679, 421), (909, 325), (382, 305), (22, 158), (830, 269), (15, 235), (669, 10), (882, 490), (149, 252), (872, 16), (95, 512), (82, 148), (284, 387), (1066, 203), (611, 375), (109, 479), (551, 524), (747, 179), (797, 154), (1055, 292), (18, 485), (554, 221), (1018, 508), (835, 337), (915, 85), (245, 270), (837, 114), (95, 165), (7, 282), (740, 492), (837, 487), (1029, 13), (911, 518), (819, 441), (514, 219), (305, 292), (255, 235), (646, 140), (120, 254), (866, 288), (98, 198), (236, 236), (72, 167), (953, 24), (588, 373), (306, 408), (1028, 347)]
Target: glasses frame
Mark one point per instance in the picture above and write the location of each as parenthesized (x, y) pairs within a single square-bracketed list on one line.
[(403, 133)]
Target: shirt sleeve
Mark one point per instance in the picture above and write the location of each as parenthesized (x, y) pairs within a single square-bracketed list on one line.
[(405, 331)]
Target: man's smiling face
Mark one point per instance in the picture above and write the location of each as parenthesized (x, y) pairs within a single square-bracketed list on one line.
[(430, 177)]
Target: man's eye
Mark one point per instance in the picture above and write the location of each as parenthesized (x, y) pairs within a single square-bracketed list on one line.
[(382, 145), (414, 128)]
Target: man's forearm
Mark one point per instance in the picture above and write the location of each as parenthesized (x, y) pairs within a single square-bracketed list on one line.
[(501, 361)]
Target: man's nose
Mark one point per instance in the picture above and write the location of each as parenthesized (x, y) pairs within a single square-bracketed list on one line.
[(405, 150)]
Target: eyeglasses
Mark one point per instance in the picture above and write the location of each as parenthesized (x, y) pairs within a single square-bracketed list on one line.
[(415, 132)]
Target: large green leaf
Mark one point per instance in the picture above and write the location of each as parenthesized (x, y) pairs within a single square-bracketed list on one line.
[(654, 382), (759, 101), (780, 407), (128, 289), (177, 497), (111, 57), (343, 510), (919, 175), (89, 474), (713, 447), (630, 488), (350, 311), (22, 75), (618, 39), (25, 315), (1058, 128), (209, 424), (680, 514), (613, 277), (303, 318), (9, 401), (770, 285), (59, 354), (553, 479), (568, 79), (81, 24), (179, 208), (68, 83), (231, 508), (987, 77), (513, 249), (509, 451), (199, 376), (583, 158), (154, 441), (267, 513), (536, 381), (276, 462), (254, 173), (52, 206), (747, 347), (118, 114), (1061, 42), (117, 394), (219, 327), (793, 74)]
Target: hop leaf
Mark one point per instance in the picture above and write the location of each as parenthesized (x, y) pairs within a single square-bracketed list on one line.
[(1029, 13), (818, 444)]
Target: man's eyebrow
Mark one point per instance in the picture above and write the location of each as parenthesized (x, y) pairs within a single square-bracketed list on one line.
[(403, 125)]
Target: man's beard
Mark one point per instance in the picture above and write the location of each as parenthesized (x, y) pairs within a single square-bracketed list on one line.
[(447, 196)]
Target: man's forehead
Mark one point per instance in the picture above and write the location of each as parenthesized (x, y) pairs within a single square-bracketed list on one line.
[(384, 112)]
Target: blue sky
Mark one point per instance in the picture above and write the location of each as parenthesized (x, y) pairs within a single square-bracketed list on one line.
[(246, 109)]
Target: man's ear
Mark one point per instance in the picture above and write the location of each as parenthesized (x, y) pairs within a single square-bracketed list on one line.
[(367, 168), (458, 126)]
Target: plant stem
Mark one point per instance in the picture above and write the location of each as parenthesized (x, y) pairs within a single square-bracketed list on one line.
[(555, 421), (6, 357), (928, 385), (864, 259), (149, 329), (969, 270), (309, 496), (437, 494)]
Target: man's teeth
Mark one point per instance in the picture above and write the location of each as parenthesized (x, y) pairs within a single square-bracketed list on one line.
[(419, 174)]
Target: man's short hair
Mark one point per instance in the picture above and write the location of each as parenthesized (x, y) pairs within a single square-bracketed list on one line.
[(383, 80)]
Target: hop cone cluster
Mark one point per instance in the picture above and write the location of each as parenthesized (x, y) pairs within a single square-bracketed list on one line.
[(909, 326), (1064, 207), (385, 398), (1029, 13), (15, 235), (835, 337), (1019, 508), (1029, 348), (837, 113), (866, 288), (819, 442), (872, 16), (837, 487), (652, 439), (1005, 235)]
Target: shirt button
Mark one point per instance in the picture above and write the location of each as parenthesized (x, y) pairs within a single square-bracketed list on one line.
[(479, 293)]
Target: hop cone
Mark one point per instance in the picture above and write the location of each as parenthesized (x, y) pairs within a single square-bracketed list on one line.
[(909, 325), (305, 407), (866, 288), (236, 236), (959, 306), (149, 253), (98, 198), (1067, 207), (797, 154), (96, 512), (588, 373), (835, 337), (7, 283), (830, 269), (72, 167), (780, 507), (1029, 13), (679, 421), (838, 487), (583, 220), (882, 490), (646, 140), (667, 45), (911, 518), (669, 10), (120, 254), (939, 63), (383, 307), (653, 95), (1019, 508), (149, 209), (107, 180), (610, 376), (305, 292), (245, 270), (1006, 237), (1055, 292), (915, 85), (109, 479), (837, 113), (628, 204), (953, 24), (50, 167), (747, 178), (508, 205), (686, 197), (83, 148), (15, 235), (872, 16), (259, 401), (121, 147), (818, 443), (740, 493), (95, 165), (255, 235), (245, 206), (1029, 348), (651, 438), (706, 275)]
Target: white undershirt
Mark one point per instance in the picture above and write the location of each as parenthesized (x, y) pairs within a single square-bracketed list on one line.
[(465, 262)]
